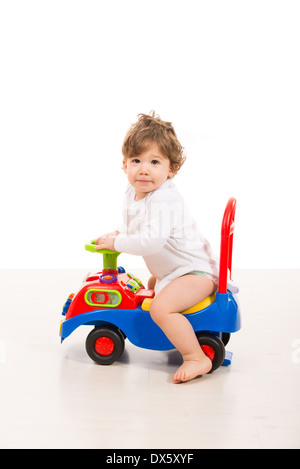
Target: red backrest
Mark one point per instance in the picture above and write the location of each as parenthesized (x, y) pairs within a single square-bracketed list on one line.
[(226, 244)]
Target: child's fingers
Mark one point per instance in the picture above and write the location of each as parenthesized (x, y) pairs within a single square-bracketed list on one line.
[(99, 246), (101, 239)]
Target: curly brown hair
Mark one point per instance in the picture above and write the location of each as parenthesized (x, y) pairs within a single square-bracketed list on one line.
[(151, 129)]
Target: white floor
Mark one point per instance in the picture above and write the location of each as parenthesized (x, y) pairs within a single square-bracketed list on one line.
[(53, 396)]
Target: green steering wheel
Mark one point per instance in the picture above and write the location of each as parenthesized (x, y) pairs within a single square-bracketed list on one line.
[(109, 257)]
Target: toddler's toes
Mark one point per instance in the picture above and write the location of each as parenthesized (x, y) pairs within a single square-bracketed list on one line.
[(191, 369)]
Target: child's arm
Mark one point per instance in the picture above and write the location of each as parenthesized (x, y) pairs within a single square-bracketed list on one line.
[(140, 244), (152, 234)]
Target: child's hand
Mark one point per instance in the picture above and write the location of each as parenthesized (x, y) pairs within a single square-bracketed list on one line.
[(106, 241)]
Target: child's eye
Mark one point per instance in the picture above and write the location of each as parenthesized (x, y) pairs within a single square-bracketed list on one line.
[(155, 162), (135, 160)]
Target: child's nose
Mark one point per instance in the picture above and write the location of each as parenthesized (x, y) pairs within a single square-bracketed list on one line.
[(144, 168)]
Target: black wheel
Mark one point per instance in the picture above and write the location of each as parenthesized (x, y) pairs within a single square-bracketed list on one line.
[(213, 347), (225, 337), (104, 344)]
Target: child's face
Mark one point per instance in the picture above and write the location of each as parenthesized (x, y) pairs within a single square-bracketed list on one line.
[(148, 171)]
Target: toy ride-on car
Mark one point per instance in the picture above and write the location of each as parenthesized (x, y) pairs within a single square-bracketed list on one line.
[(117, 304)]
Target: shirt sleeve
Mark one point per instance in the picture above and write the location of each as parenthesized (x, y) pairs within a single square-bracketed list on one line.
[(153, 231)]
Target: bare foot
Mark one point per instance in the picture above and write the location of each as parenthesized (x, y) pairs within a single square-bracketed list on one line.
[(192, 368)]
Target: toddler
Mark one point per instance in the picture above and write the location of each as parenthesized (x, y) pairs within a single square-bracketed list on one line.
[(159, 227)]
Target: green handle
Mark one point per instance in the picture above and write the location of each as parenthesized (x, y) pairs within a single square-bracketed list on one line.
[(109, 257)]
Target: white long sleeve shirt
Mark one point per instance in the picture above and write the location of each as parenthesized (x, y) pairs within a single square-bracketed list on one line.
[(161, 229)]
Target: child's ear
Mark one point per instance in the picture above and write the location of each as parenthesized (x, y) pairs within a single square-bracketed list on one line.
[(125, 166), (173, 171)]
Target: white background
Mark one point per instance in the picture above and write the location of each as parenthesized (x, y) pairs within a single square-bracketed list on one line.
[(74, 76)]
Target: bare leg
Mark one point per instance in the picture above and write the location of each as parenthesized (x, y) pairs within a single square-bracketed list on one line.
[(165, 309), (151, 282)]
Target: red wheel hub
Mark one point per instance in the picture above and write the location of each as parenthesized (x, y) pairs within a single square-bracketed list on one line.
[(209, 351), (104, 346)]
